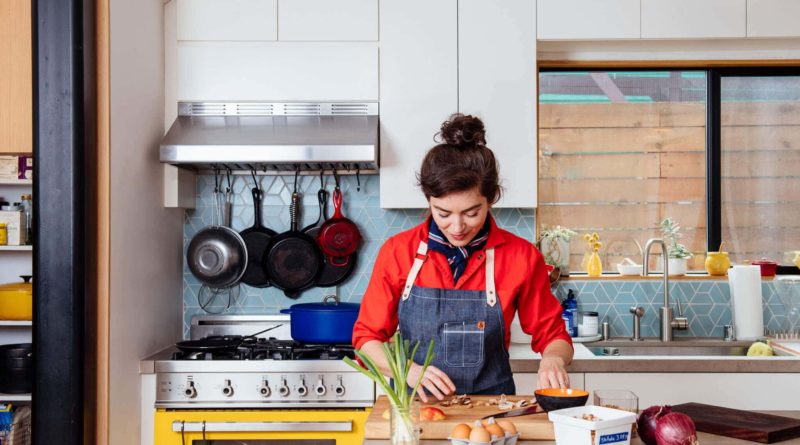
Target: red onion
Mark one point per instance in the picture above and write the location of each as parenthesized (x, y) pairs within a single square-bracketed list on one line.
[(646, 423), (676, 429)]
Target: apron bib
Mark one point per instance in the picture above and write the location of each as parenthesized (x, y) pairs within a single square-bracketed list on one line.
[(467, 327)]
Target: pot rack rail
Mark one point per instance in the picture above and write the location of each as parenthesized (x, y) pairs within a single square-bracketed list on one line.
[(305, 169)]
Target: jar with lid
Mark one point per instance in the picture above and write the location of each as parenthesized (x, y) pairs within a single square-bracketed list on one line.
[(588, 323)]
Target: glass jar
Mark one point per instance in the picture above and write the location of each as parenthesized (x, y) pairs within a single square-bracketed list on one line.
[(404, 425), (588, 324), (618, 399)]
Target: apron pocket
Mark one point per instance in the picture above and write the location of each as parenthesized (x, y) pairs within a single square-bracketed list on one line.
[(463, 343)]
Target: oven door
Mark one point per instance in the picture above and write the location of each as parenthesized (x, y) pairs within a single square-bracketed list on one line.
[(260, 427)]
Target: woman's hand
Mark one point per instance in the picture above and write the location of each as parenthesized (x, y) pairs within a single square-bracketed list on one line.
[(435, 381), (552, 373)]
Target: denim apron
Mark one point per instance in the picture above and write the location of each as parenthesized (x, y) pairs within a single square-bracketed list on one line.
[(467, 327)]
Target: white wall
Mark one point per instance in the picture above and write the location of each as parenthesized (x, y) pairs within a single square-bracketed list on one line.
[(145, 238)]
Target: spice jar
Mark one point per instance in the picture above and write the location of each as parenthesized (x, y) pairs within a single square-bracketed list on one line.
[(588, 324), (3, 234)]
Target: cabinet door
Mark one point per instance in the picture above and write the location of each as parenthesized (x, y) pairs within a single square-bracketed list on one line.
[(587, 19), (756, 391), (328, 20), (497, 82), (16, 77), (693, 19), (227, 20), (418, 89), (773, 18)]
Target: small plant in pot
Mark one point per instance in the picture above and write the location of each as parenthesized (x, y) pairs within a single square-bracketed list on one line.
[(553, 242), (677, 253)]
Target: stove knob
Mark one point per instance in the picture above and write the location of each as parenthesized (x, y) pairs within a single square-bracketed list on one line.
[(320, 388), (302, 390), (283, 390), (339, 390), (190, 392), (227, 390), (264, 390)]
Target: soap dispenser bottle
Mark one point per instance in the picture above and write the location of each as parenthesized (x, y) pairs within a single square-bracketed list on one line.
[(572, 313)]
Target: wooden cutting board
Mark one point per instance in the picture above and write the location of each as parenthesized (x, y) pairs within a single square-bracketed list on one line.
[(747, 425), (531, 427)]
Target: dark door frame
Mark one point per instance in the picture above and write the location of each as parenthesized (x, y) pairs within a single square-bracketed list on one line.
[(63, 122)]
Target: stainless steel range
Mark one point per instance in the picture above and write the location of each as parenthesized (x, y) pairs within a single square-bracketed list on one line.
[(272, 370)]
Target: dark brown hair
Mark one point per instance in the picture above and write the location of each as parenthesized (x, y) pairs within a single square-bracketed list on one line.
[(461, 161)]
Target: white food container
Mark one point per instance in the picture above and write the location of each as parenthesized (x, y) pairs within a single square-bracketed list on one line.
[(613, 426)]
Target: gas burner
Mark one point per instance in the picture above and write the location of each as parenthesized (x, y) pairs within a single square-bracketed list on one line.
[(273, 349)]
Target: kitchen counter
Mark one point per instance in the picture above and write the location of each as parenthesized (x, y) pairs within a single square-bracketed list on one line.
[(524, 360), (703, 438)]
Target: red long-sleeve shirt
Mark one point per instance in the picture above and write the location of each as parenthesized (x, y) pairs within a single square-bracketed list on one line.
[(520, 278)]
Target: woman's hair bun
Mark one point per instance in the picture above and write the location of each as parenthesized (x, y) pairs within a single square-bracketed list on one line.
[(463, 131)]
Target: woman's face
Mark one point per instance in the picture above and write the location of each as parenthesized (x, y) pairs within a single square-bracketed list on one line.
[(460, 215)]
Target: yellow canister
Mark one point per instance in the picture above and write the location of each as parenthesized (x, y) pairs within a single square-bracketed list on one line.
[(3, 234), (717, 263), (16, 300)]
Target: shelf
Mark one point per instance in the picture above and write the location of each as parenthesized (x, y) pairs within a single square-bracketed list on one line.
[(15, 323), (16, 181), (15, 397), (17, 248)]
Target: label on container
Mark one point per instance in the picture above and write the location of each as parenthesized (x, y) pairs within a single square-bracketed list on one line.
[(613, 438)]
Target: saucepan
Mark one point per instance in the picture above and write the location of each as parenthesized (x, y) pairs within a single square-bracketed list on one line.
[(217, 255), (323, 323)]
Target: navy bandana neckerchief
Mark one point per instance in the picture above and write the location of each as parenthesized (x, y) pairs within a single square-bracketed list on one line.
[(456, 256)]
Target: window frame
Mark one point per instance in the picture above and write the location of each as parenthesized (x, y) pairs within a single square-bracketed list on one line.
[(714, 77)]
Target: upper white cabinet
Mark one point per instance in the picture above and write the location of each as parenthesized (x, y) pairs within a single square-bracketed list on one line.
[(328, 20), (773, 18), (418, 88), (693, 19), (227, 20), (587, 19), (497, 82)]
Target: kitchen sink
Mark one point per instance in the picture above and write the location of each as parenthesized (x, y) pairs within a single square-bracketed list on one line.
[(677, 350)]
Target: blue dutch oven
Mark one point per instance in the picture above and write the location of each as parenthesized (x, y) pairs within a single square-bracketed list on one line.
[(326, 322)]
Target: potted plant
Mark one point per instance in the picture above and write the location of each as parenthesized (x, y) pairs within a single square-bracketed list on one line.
[(553, 242), (404, 417), (677, 253)]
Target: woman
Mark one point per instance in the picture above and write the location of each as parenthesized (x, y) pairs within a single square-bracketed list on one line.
[(457, 279)]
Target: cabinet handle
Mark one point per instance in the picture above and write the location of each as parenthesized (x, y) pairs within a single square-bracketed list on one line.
[(236, 427)]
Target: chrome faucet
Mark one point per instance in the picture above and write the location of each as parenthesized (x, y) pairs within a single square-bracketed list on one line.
[(667, 319)]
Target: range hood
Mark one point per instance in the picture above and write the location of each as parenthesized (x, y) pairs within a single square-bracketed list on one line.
[(273, 136)]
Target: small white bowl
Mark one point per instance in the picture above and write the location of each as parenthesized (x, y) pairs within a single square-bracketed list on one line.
[(629, 269)]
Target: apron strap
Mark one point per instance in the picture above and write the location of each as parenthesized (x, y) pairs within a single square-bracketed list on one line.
[(422, 252), (491, 294)]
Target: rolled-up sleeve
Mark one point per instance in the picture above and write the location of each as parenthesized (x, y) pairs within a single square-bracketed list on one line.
[(539, 310), (377, 318)]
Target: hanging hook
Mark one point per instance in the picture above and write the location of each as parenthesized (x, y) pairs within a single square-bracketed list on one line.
[(358, 179), (216, 180), (255, 181), (336, 178), (228, 176), (322, 179), (296, 176)]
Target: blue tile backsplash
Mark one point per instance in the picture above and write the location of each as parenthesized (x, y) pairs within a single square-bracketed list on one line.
[(705, 302)]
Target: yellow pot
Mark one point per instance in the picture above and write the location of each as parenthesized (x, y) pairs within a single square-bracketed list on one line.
[(717, 263), (797, 260), (16, 300)]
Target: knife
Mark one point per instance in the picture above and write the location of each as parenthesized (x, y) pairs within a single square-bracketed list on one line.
[(533, 409)]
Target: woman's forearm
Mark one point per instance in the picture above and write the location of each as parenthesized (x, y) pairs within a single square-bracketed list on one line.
[(559, 349), (374, 349)]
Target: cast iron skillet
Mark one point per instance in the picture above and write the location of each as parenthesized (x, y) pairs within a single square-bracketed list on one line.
[(218, 343), (256, 239), (338, 237), (217, 255), (331, 274), (293, 260)]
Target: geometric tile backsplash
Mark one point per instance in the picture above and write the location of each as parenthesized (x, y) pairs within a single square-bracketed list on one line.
[(705, 302)]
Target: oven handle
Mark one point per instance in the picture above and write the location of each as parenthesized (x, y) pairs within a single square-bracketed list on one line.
[(247, 427)]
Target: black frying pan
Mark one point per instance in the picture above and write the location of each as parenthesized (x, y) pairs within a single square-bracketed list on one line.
[(331, 274), (218, 343), (256, 239), (293, 260)]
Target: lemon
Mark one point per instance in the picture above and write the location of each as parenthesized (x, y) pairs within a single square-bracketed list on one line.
[(759, 349)]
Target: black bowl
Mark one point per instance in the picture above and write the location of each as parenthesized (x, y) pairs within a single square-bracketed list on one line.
[(552, 399)]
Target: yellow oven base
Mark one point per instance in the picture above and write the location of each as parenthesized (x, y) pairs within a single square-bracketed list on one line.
[(165, 436)]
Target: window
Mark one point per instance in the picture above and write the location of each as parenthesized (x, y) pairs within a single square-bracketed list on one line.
[(717, 150)]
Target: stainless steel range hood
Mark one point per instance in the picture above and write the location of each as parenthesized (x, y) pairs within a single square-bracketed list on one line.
[(273, 136)]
